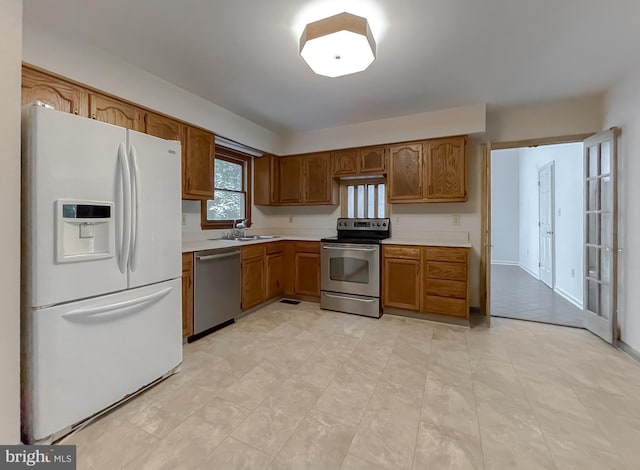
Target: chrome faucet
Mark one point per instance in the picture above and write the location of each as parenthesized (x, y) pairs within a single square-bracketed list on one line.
[(240, 227)]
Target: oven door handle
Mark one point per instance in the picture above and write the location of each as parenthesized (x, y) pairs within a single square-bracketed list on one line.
[(334, 296), (338, 247)]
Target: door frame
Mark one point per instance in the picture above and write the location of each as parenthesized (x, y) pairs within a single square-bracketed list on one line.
[(485, 255), (552, 190)]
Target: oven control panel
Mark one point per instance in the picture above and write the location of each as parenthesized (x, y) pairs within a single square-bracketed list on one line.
[(377, 225)]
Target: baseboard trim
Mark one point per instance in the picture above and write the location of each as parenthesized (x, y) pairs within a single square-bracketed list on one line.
[(629, 350), (505, 263), (562, 293), (528, 271)]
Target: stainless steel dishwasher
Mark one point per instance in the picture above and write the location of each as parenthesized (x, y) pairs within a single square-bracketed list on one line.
[(216, 292)]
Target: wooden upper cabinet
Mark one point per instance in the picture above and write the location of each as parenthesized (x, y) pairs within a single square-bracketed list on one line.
[(197, 166), (373, 160), (290, 177), (445, 169), (61, 95), (317, 179), (266, 175), (163, 127), (405, 173), (346, 162), (106, 109)]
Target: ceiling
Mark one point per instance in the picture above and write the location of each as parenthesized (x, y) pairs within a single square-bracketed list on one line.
[(432, 54)]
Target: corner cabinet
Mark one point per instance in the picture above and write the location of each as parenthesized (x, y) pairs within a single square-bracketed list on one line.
[(187, 294), (197, 165)]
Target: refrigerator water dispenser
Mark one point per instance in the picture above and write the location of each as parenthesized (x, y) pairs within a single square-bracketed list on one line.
[(84, 231)]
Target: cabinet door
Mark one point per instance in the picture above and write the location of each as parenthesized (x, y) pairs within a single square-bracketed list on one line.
[(401, 283), (317, 179), (373, 160), (445, 169), (291, 179), (307, 274), (63, 96), (105, 109), (345, 162), (275, 265), (405, 172), (252, 282), (197, 167), (163, 127), (265, 180), (187, 294)]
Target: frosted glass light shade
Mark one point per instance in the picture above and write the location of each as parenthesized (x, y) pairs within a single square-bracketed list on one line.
[(338, 45)]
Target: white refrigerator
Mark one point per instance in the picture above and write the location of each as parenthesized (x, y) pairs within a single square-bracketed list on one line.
[(101, 287)]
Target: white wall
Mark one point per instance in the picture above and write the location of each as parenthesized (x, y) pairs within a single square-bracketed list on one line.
[(558, 118), (441, 123), (622, 109), (505, 209), (101, 70), (10, 56), (568, 218)]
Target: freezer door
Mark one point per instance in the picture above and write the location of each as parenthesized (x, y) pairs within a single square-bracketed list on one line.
[(87, 355), (156, 238), (69, 159)]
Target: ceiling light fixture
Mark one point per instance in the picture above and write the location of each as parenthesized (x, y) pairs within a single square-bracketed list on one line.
[(338, 45)]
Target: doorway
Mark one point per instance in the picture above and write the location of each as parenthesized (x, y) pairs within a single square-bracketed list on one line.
[(537, 234)]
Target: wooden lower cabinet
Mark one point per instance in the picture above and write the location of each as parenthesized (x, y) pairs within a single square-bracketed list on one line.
[(252, 276), (401, 280), (187, 294), (274, 268), (429, 280), (306, 266)]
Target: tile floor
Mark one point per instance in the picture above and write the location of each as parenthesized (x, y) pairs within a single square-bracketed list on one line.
[(295, 387), (517, 294)]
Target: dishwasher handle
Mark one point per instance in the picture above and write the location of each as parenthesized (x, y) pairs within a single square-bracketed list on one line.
[(220, 256)]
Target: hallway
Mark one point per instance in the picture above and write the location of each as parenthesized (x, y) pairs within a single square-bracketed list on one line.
[(517, 294)]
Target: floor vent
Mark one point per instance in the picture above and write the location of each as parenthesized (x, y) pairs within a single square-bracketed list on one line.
[(289, 301)]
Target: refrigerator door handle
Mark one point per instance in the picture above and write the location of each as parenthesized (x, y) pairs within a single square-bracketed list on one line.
[(118, 308), (135, 206), (123, 163)]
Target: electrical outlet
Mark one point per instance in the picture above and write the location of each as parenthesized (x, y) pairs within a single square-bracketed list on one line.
[(397, 220), (290, 219), (573, 272), (456, 220), (184, 219)]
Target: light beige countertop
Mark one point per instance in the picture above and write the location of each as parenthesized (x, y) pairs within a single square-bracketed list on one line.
[(199, 245), (427, 242)]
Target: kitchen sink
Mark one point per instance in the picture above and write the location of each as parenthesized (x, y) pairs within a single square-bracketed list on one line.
[(255, 237)]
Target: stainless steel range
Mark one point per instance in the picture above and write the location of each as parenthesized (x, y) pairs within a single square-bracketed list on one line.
[(350, 266)]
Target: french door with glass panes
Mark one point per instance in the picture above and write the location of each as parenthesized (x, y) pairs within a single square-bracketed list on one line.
[(600, 235)]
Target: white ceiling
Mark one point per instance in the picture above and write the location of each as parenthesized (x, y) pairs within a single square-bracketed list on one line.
[(432, 54)]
